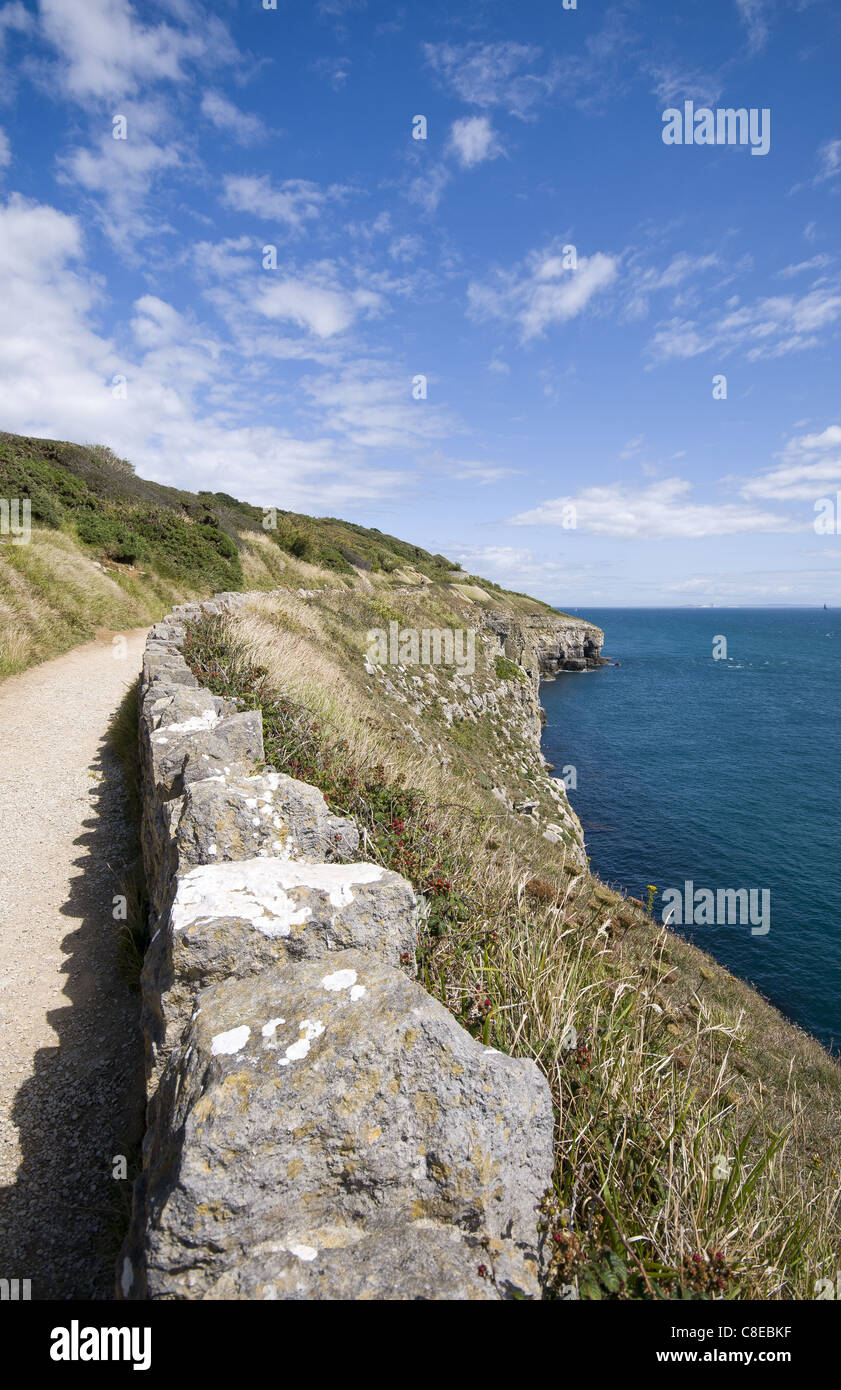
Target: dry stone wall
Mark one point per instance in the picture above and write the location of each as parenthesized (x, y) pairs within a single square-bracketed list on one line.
[(318, 1125)]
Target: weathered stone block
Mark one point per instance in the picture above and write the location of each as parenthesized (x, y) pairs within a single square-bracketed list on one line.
[(235, 741), (220, 818), (236, 919), (328, 1131)]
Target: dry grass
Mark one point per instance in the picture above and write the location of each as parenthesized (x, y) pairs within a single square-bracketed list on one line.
[(52, 597)]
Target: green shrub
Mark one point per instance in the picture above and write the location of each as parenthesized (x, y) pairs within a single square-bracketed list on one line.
[(333, 559), (188, 549), (109, 535), (44, 486), (44, 509), (297, 543), (508, 670), (126, 548)]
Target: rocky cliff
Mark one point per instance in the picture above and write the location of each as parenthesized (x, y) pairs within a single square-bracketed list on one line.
[(319, 1126), (494, 706), (543, 643)]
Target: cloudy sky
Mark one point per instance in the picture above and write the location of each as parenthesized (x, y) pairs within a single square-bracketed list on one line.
[(243, 293)]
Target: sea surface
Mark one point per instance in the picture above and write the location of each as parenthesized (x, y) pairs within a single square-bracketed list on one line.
[(724, 772)]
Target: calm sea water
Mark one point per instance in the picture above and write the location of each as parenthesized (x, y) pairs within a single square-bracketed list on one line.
[(723, 772)]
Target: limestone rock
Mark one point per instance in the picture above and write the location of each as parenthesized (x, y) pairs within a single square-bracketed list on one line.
[(328, 1131), (220, 818), (160, 665), (235, 919), (185, 708), (235, 741)]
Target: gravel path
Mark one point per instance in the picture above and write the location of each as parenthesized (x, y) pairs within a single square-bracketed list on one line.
[(71, 1068)]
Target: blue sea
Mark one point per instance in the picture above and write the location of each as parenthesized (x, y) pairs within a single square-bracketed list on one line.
[(722, 772)]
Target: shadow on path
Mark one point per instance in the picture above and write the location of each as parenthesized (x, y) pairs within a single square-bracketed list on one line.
[(83, 1102)]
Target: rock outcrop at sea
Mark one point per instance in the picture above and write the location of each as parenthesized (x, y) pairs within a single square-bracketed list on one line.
[(545, 643)]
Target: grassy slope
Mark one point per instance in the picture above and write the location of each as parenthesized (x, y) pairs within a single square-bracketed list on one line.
[(698, 1147), (111, 550)]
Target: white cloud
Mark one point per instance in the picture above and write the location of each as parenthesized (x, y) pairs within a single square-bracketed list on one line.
[(372, 409), (633, 446), (314, 303), (810, 467), (333, 70), (499, 365), (828, 171), (673, 85), (320, 308), (519, 568), (770, 327), (294, 202), (106, 51), (478, 471), (51, 362), (14, 16), (406, 248), (190, 415), (647, 280), (427, 189), (815, 263), (227, 259), (493, 74), (123, 173), (829, 161), (736, 590), (663, 510), (753, 14), (542, 292), (520, 77), (156, 323), (242, 126), (473, 140)]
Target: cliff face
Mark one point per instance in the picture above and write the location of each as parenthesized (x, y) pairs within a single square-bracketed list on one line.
[(490, 709), (544, 644)]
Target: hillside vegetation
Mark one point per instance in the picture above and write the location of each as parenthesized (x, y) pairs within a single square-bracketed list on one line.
[(111, 550)]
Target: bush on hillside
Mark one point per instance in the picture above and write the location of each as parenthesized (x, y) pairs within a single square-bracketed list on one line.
[(109, 535), (185, 548)]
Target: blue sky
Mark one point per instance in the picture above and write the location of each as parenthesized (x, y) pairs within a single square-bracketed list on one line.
[(556, 391)]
